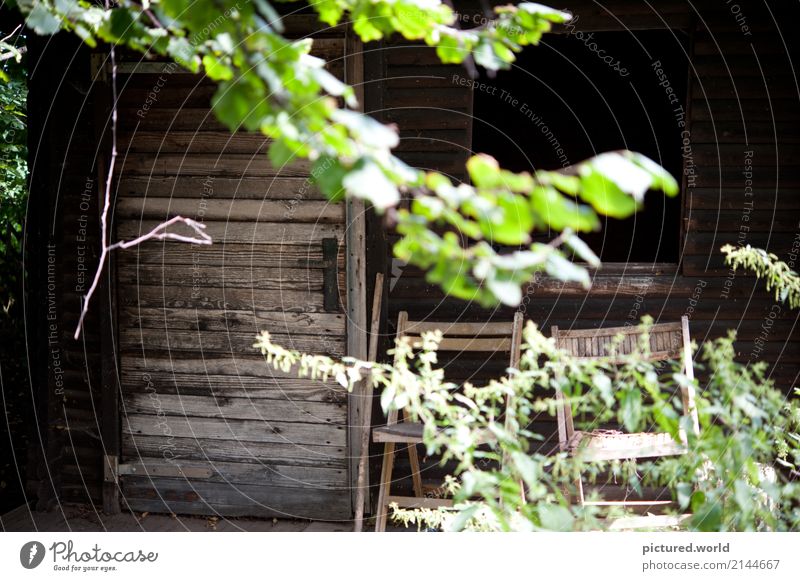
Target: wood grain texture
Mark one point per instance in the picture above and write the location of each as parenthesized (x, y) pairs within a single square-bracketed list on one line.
[(194, 387), (237, 430)]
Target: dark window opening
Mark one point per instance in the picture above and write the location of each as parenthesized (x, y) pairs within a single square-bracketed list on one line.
[(575, 96)]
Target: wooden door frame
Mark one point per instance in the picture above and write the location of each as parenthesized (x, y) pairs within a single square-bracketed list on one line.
[(356, 276)]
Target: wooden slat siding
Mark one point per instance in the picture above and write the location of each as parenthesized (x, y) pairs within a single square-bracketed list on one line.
[(203, 164), (222, 320), (432, 112), (189, 315), (242, 188), (240, 430), (322, 477), (294, 279), (230, 210), (248, 232), (232, 255), (203, 498), (238, 408), (137, 340), (218, 386), (275, 454), (223, 298)]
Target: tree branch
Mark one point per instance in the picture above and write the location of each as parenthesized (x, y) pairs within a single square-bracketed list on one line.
[(157, 233)]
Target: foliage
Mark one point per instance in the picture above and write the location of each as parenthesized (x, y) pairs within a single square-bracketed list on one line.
[(13, 181), (742, 474), (779, 276), (9, 50), (271, 84), (739, 474)]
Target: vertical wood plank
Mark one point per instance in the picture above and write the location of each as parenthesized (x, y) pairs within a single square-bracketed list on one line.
[(104, 299), (363, 462), (356, 276), (685, 194), (688, 392)]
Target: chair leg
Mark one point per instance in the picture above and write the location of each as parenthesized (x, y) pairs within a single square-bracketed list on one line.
[(416, 473), (386, 483), (579, 486), (413, 459)]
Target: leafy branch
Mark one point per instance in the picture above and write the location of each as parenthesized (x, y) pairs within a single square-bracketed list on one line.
[(272, 84), (779, 276), (157, 233)]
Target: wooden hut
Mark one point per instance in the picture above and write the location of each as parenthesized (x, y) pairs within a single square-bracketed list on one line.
[(163, 405)]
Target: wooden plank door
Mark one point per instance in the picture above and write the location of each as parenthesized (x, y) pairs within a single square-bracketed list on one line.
[(207, 427)]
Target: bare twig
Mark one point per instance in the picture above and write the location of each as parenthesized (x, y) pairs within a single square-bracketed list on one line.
[(13, 54), (157, 233), (10, 34)]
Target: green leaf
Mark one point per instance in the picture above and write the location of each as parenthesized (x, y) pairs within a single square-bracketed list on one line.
[(560, 213), (512, 225), (604, 195), (559, 267), (329, 11), (240, 103), (328, 173), (546, 12), (743, 494), (463, 517), (428, 207), (661, 179), (684, 492), (626, 175), (631, 409), (486, 57), (387, 397), (483, 170), (216, 69), (450, 50), (364, 27), (707, 513), (603, 384), (368, 130), (281, 154), (556, 517), (274, 19), (121, 24), (582, 250), (527, 468), (368, 182), (507, 292), (42, 21)]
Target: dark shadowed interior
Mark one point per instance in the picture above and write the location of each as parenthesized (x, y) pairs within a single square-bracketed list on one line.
[(536, 116)]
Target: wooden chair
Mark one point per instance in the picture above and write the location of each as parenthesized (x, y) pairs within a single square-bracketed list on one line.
[(667, 341), (474, 337)]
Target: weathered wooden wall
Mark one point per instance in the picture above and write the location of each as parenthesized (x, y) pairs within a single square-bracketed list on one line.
[(206, 427)]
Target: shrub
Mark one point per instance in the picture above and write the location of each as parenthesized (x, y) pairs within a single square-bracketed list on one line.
[(738, 475)]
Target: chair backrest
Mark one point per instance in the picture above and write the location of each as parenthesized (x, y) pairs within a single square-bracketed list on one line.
[(667, 341), (489, 337)]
